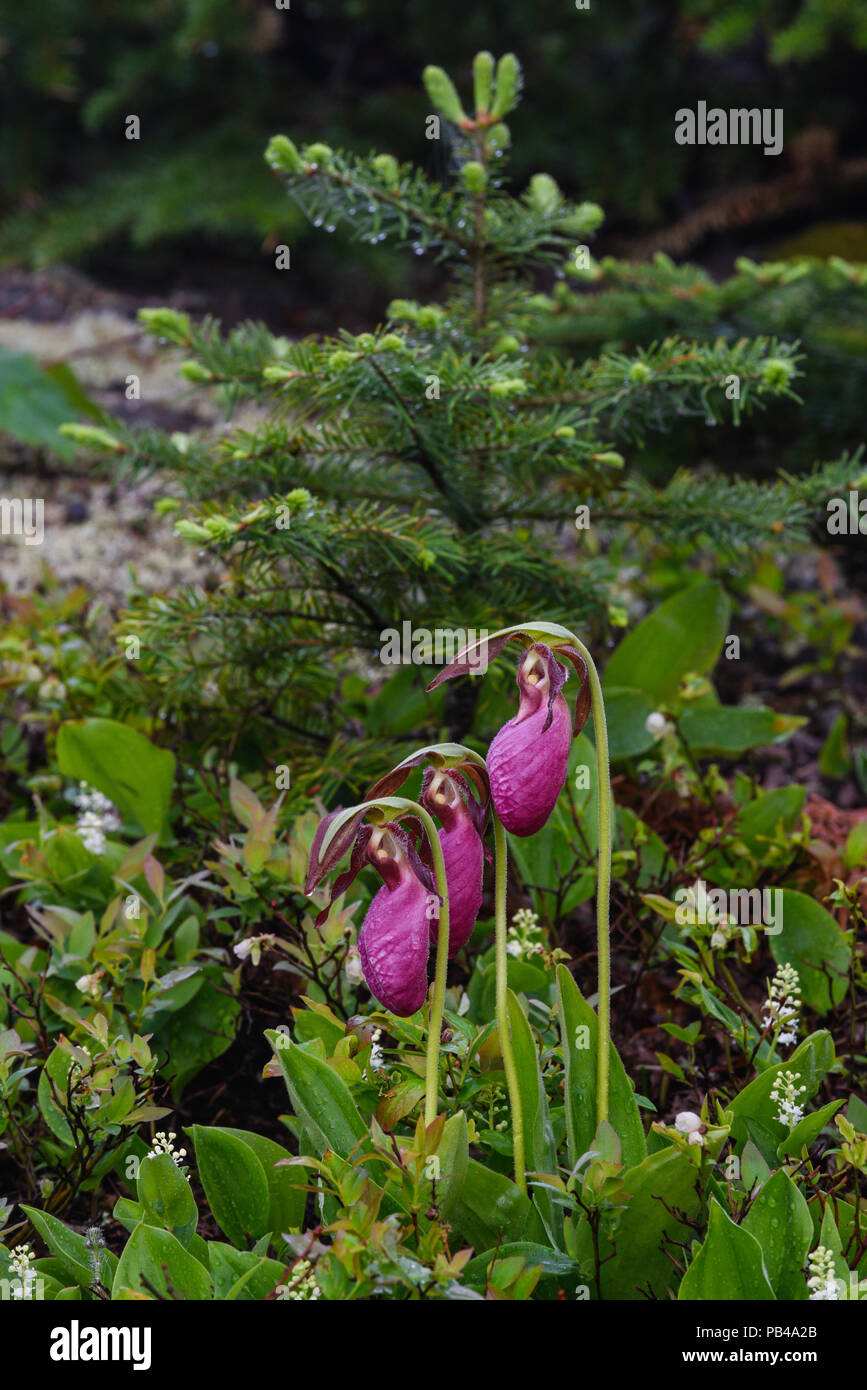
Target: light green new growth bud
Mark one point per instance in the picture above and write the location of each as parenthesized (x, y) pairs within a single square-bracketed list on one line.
[(583, 219), (508, 90), (473, 177), (777, 372), (640, 372), (543, 194), (403, 309), (318, 154), (281, 154), (506, 345), (499, 137), (387, 166), (167, 323), (391, 343), (92, 437), (278, 372), (219, 527), (564, 432), (429, 317), (192, 531), (590, 216), (441, 91), (483, 80), (366, 342), (340, 359), (194, 371), (509, 386), (610, 458), (164, 505), (299, 498)]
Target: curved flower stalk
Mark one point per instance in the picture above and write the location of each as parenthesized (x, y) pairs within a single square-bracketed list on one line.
[(527, 765)]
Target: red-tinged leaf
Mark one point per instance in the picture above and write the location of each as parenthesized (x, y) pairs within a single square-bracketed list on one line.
[(155, 876), (466, 661), (328, 849), (245, 803), (133, 861)]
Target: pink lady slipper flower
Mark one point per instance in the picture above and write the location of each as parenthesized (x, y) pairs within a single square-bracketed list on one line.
[(463, 851), (528, 758), (394, 941)]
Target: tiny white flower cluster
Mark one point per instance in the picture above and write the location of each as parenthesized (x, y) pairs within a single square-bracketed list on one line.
[(690, 1124), (785, 1093), (822, 1282), (525, 934), (163, 1143), (253, 946), (783, 1009), (21, 1260), (96, 815), (303, 1286)]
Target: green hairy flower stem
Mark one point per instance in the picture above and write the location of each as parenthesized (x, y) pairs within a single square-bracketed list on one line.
[(437, 1003), (603, 891), (502, 961)]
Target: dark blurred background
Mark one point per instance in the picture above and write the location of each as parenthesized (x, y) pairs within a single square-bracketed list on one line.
[(190, 208)]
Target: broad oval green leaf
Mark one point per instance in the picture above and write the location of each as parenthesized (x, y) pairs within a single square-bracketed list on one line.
[(812, 942), (661, 1188), (685, 634), (727, 1266), (320, 1098), (491, 1209), (153, 1255), (726, 730), (780, 1221), (166, 1196), (810, 1062), (626, 713), (234, 1182), (286, 1186), (124, 765)]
